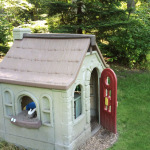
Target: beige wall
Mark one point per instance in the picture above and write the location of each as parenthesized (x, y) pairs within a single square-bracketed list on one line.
[(63, 131)]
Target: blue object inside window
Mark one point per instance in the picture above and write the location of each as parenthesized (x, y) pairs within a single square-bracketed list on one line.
[(30, 106)]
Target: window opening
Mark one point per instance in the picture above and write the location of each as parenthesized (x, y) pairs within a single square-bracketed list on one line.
[(28, 106), (108, 81), (110, 93), (77, 102), (27, 116)]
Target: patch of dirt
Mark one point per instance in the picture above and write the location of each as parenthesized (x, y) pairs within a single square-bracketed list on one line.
[(102, 140)]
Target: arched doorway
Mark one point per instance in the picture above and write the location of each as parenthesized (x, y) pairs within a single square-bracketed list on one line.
[(94, 111)]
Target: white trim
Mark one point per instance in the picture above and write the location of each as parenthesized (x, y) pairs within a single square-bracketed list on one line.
[(79, 118)]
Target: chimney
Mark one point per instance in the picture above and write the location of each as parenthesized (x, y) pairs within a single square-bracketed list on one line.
[(18, 33)]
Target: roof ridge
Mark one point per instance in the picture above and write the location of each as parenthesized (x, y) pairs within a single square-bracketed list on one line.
[(62, 36)]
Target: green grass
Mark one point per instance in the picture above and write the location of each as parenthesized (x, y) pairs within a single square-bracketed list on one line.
[(148, 59), (133, 112), (7, 146)]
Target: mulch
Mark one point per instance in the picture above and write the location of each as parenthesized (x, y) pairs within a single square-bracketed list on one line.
[(102, 140)]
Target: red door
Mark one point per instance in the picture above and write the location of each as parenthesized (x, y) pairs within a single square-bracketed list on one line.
[(108, 100)]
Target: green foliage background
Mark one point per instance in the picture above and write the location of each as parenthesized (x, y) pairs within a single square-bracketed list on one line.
[(122, 34), (122, 28)]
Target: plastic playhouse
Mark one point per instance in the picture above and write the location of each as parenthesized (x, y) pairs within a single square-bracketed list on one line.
[(55, 92)]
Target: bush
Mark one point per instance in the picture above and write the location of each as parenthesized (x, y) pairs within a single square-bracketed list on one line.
[(37, 26), (3, 50), (123, 36), (129, 45), (5, 30), (39, 29)]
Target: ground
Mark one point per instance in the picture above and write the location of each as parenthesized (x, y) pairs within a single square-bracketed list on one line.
[(102, 140)]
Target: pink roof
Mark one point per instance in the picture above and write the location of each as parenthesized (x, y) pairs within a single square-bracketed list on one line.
[(44, 62)]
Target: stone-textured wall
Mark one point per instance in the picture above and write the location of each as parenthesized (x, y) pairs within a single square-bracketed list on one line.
[(2, 125), (12, 102), (54, 133), (81, 125)]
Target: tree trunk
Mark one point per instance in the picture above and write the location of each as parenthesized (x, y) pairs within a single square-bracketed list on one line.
[(131, 5), (79, 13)]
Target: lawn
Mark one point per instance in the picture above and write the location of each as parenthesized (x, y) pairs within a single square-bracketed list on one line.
[(6, 146), (133, 114), (148, 58)]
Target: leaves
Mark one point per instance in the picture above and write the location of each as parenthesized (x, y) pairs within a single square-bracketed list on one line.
[(5, 28), (122, 34)]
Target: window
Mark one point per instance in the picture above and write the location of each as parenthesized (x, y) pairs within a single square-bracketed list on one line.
[(77, 102), (8, 102), (46, 110), (27, 111)]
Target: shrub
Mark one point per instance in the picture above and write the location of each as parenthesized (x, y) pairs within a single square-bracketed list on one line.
[(39, 29), (129, 45), (37, 26), (5, 30), (123, 36)]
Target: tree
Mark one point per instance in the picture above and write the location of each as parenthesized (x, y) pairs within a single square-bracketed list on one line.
[(120, 32), (131, 43), (12, 14), (37, 9), (5, 26), (18, 11), (130, 4), (79, 15)]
